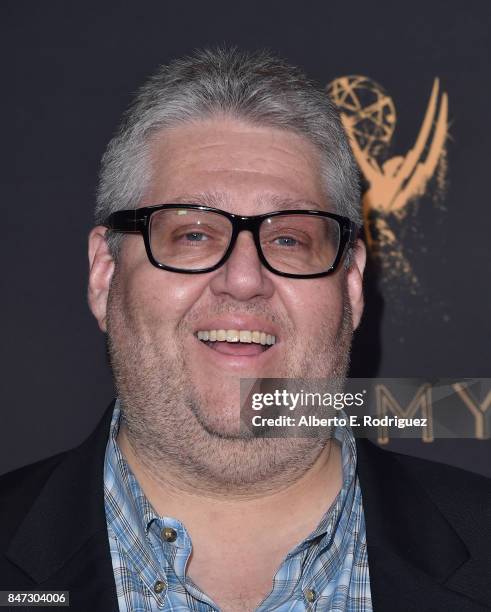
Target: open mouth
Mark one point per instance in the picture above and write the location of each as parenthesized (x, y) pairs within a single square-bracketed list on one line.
[(237, 342)]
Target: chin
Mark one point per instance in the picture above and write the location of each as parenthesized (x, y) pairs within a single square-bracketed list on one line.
[(218, 412)]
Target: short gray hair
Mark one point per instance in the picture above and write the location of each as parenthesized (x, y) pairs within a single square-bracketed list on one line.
[(256, 87)]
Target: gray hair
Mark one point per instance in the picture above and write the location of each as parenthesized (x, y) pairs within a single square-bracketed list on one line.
[(256, 87)]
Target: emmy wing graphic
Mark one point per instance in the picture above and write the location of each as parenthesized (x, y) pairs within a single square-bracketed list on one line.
[(369, 117)]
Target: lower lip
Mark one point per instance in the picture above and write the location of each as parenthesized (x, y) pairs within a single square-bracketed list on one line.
[(237, 355), (237, 349)]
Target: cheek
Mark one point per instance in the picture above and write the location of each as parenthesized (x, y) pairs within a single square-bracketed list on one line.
[(315, 307), (156, 298)]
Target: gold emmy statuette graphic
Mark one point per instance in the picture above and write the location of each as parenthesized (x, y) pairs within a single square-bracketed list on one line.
[(369, 117)]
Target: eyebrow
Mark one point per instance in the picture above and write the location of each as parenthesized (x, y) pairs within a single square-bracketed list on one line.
[(292, 203), (270, 202)]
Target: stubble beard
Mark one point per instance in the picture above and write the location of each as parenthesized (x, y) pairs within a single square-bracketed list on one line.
[(169, 431)]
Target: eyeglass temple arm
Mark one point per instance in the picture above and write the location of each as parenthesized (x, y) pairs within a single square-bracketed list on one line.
[(124, 221), (353, 232)]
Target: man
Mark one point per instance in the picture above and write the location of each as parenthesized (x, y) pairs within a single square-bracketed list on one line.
[(225, 248)]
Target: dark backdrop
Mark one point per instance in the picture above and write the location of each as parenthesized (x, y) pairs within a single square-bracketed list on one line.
[(69, 70)]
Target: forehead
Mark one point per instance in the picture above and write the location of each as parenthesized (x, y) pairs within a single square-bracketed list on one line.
[(235, 165)]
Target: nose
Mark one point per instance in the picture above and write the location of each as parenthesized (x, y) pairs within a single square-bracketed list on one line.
[(242, 276)]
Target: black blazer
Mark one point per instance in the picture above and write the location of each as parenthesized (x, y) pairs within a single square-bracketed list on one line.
[(428, 530)]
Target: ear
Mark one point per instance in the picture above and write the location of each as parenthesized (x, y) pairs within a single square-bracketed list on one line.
[(101, 269), (355, 281)]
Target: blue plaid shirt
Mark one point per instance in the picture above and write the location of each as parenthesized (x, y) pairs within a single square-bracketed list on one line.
[(327, 571)]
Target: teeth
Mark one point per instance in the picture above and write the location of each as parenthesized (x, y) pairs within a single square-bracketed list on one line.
[(245, 336), (234, 335)]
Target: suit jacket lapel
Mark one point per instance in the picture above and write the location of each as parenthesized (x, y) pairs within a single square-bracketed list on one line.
[(62, 542), (412, 549)]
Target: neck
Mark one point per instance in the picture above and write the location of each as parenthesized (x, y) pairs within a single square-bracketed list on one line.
[(301, 497)]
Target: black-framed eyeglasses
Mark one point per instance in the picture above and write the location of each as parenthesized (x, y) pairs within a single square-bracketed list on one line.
[(193, 239)]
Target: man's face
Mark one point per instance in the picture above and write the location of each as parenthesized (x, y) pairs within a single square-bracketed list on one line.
[(153, 316)]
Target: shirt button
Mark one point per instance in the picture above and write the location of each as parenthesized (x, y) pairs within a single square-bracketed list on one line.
[(159, 586), (169, 534), (311, 596)]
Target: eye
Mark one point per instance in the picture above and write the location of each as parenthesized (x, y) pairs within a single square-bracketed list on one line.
[(196, 237), (286, 241)]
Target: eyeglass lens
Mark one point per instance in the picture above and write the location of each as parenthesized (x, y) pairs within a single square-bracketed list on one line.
[(188, 239)]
